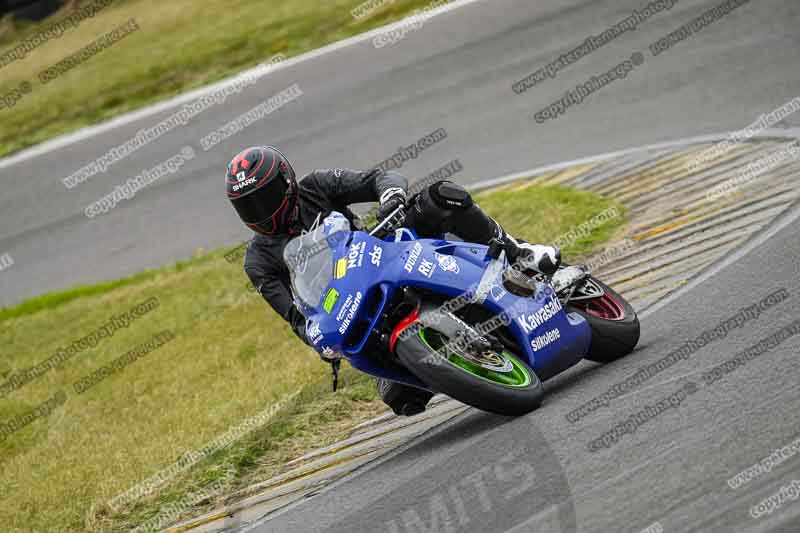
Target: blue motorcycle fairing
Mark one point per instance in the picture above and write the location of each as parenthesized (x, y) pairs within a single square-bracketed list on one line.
[(367, 271)]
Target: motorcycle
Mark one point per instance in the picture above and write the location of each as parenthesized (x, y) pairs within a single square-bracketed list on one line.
[(451, 317)]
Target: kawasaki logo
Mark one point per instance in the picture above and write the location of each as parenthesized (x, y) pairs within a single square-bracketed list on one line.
[(534, 320)]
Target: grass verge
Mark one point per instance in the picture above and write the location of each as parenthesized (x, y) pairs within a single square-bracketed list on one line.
[(63, 466), (181, 44)]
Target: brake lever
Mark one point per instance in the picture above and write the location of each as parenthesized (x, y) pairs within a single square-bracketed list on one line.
[(388, 224)]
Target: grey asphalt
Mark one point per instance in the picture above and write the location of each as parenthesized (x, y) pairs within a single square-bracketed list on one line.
[(482, 472), (361, 103), (537, 474)]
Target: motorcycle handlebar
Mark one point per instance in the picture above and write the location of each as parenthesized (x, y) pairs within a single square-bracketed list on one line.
[(401, 209)]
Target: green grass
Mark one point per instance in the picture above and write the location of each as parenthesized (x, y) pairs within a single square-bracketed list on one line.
[(181, 44), (231, 358), (543, 214), (313, 419), (56, 298)]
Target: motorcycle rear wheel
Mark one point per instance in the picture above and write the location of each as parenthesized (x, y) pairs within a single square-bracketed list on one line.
[(615, 326)]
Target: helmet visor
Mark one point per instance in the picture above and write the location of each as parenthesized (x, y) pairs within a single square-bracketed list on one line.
[(263, 206)]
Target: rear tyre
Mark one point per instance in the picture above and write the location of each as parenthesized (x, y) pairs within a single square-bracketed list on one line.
[(497, 382), (615, 326)]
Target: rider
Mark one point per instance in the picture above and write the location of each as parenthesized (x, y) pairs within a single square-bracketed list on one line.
[(261, 185)]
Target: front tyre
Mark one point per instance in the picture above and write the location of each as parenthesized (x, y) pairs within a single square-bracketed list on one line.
[(615, 326), (497, 382)]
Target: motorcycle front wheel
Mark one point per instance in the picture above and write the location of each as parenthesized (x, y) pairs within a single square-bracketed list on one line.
[(495, 381)]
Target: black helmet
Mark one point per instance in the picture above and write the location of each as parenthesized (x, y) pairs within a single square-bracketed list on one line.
[(262, 187)]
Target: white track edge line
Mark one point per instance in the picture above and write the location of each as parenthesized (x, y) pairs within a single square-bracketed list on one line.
[(789, 133), (153, 109)]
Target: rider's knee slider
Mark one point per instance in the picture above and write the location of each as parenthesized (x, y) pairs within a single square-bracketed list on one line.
[(449, 195)]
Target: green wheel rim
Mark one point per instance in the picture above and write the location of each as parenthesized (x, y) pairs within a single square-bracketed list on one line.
[(518, 377)]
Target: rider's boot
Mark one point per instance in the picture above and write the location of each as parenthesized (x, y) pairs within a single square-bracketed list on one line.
[(537, 257), (527, 257), (404, 400)]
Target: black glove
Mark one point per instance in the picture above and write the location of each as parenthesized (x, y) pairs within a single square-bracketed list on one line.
[(390, 200)]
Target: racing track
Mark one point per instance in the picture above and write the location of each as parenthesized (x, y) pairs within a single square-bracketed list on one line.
[(673, 469), (480, 472), (360, 104)]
